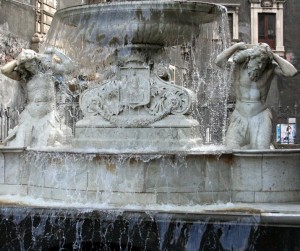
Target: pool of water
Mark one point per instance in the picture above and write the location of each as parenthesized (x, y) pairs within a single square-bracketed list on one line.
[(27, 228)]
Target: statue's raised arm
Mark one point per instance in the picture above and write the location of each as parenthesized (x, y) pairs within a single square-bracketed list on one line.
[(21, 66), (60, 63), (223, 57), (9, 70), (284, 68)]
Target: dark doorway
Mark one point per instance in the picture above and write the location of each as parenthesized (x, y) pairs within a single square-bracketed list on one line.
[(267, 29)]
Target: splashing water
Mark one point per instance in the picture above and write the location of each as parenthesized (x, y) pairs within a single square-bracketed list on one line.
[(99, 43)]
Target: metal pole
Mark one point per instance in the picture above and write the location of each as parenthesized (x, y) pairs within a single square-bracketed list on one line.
[(42, 16)]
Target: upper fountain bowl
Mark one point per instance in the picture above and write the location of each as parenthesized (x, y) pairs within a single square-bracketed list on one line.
[(162, 23)]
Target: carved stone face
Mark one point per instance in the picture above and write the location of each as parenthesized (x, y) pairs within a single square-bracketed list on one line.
[(257, 65), (31, 66), (27, 60), (162, 71)]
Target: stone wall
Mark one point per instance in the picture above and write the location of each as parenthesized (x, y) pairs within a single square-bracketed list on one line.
[(289, 89), (20, 17), (152, 179), (67, 3)]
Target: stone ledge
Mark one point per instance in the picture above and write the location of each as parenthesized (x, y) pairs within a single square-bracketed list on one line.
[(5, 149), (176, 178), (265, 152), (13, 189)]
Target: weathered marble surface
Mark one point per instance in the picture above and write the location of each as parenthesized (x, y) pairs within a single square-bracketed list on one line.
[(138, 105), (142, 179), (39, 124), (254, 68)]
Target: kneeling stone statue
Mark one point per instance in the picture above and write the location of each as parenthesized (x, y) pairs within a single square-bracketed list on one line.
[(255, 66), (39, 123)]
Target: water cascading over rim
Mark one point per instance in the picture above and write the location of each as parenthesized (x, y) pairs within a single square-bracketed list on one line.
[(140, 58), (109, 43)]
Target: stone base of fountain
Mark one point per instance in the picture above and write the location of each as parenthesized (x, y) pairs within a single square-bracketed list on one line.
[(174, 133), (195, 178), (138, 110)]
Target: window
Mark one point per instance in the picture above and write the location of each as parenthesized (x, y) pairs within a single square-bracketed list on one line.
[(230, 24), (233, 20), (45, 12), (266, 29), (267, 23)]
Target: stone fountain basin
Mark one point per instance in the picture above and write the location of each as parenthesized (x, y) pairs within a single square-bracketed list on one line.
[(147, 22), (150, 179)]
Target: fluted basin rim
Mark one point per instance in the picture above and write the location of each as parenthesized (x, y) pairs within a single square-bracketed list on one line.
[(166, 4), (162, 23)]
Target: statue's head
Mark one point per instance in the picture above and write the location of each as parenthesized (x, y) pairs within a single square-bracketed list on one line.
[(162, 71), (260, 56), (28, 61), (256, 58), (26, 54)]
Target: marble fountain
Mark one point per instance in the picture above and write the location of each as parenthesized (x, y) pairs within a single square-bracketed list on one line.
[(139, 173)]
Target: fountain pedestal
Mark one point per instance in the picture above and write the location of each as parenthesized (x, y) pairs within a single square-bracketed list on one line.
[(138, 105), (139, 108)]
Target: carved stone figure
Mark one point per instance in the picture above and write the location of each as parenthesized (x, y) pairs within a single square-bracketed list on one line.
[(39, 123), (255, 66)]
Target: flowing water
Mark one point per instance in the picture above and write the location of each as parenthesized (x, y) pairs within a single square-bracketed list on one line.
[(135, 196), (72, 229), (98, 43)]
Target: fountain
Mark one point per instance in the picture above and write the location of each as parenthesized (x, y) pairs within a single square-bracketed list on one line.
[(139, 173)]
